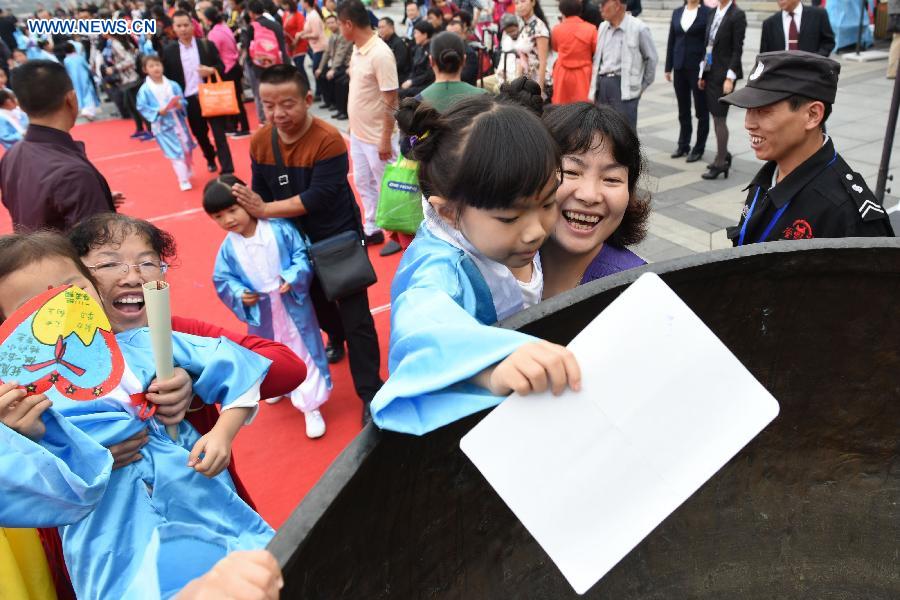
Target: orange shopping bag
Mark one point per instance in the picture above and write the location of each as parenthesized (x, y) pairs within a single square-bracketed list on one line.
[(218, 98)]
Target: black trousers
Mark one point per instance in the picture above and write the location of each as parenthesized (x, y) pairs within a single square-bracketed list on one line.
[(129, 100), (341, 94), (235, 75), (200, 129), (326, 90), (685, 82), (350, 320), (336, 91)]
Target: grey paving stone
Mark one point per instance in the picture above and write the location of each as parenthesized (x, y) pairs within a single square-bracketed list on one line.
[(695, 217), (676, 196), (655, 249), (660, 170)]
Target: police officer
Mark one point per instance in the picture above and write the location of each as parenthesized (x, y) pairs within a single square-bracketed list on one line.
[(805, 189)]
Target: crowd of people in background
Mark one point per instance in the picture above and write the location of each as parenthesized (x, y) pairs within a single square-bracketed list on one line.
[(546, 115), (590, 55)]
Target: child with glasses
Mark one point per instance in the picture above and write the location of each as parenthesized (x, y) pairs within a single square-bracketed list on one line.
[(151, 526)]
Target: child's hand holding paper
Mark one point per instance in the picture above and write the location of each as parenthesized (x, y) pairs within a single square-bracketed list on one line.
[(172, 396), (532, 369)]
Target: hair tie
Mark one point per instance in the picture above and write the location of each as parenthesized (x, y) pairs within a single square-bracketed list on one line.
[(414, 139)]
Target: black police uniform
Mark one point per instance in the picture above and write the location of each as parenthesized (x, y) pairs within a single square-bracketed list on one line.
[(822, 198)]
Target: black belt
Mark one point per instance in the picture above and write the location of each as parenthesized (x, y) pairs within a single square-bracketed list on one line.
[(619, 74)]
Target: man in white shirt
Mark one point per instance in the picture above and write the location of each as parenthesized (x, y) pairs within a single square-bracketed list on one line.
[(187, 62), (371, 105), (797, 27)]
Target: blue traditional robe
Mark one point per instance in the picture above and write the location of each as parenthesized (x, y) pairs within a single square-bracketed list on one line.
[(160, 493), (13, 124), (56, 481), (82, 81), (22, 41), (171, 129), (441, 336), (231, 281), (108, 536), (146, 45), (35, 52)]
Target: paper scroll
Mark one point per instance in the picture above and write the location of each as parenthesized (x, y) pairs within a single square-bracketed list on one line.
[(159, 321)]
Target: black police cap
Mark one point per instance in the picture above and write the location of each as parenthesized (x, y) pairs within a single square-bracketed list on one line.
[(779, 75)]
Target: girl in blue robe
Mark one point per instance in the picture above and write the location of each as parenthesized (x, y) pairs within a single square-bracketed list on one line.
[(161, 101), (13, 120), (83, 82), (108, 520), (269, 258), (490, 172)]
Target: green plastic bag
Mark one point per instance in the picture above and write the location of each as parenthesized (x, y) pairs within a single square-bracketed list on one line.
[(400, 201)]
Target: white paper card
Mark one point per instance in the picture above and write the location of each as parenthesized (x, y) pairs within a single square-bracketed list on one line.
[(664, 405)]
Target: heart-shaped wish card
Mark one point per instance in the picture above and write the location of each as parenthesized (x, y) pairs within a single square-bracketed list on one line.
[(61, 339)]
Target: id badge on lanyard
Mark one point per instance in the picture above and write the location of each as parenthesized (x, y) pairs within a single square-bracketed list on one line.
[(778, 214), (708, 57)]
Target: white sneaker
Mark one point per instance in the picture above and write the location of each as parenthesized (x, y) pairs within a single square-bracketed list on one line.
[(315, 424), (185, 186), (273, 400)]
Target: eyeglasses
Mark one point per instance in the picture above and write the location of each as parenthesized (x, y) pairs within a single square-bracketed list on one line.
[(148, 269)]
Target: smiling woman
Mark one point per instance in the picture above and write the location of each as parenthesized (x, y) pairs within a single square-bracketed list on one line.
[(602, 209)]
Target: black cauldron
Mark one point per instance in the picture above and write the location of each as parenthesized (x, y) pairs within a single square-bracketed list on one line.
[(809, 509)]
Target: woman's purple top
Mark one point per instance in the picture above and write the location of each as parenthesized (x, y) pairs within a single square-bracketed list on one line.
[(611, 260)]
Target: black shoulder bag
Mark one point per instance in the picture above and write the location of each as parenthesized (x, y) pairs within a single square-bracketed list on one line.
[(341, 262)]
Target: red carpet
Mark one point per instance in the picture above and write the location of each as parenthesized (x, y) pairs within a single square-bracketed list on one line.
[(276, 460)]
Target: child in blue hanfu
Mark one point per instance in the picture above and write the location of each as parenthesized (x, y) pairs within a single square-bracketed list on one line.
[(263, 275), (83, 81), (489, 171), (161, 101), (13, 120), (148, 528)]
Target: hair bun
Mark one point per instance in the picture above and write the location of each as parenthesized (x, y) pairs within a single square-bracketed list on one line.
[(525, 92), (449, 61), (422, 123)]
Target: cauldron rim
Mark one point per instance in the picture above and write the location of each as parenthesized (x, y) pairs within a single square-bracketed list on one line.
[(624, 278), (291, 536)]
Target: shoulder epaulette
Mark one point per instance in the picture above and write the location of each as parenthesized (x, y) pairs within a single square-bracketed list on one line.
[(869, 208)]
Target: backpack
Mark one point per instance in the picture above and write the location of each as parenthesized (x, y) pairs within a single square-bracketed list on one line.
[(264, 48)]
